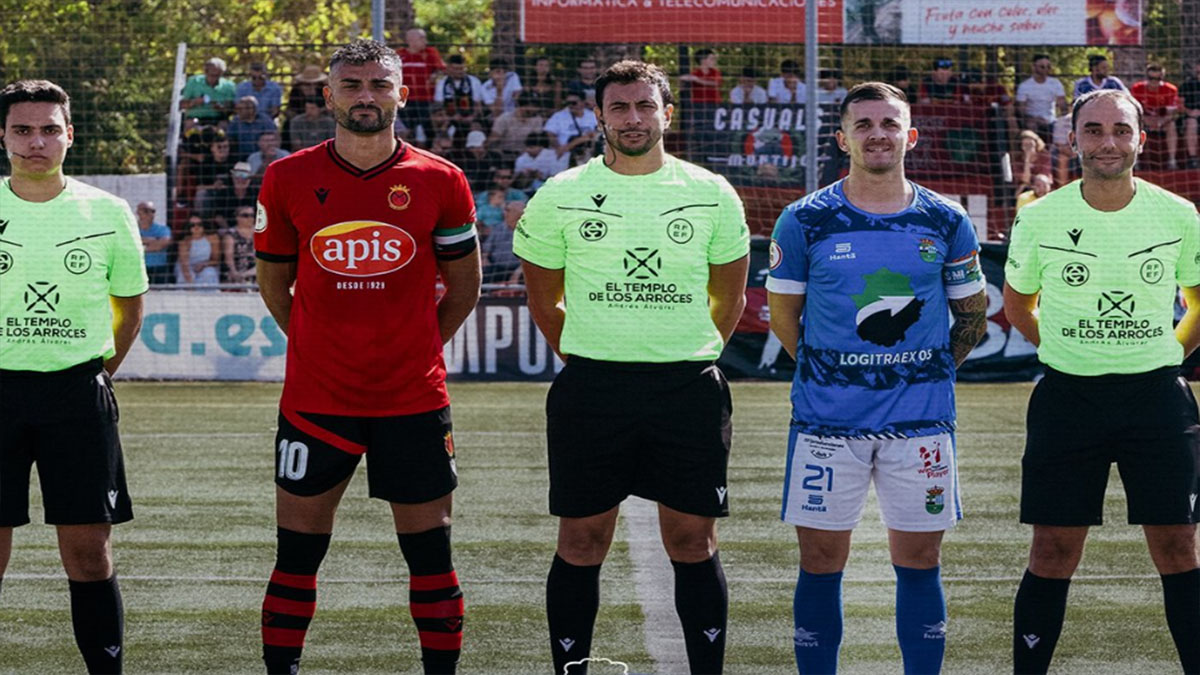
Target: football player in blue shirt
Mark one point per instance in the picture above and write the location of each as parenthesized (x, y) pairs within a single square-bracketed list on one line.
[(865, 275)]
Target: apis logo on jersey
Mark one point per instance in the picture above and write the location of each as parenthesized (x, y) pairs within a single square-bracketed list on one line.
[(362, 248)]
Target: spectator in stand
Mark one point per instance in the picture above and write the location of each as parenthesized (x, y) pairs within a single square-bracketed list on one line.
[(747, 90), (830, 91), (1042, 99), (265, 91), (989, 97), (242, 191), (237, 246), (306, 86), (268, 151), (198, 261), (422, 65), (499, 264), (209, 97), (1033, 159), (313, 127), (510, 130), (1098, 77), (901, 78), (213, 172), (156, 239), (246, 126), (1040, 187), (476, 160), (942, 85), (442, 146), (986, 92), (1190, 93), (545, 85), (499, 93), (502, 179), (538, 162), (584, 86), (705, 79), (787, 88), (1160, 101), (574, 125), (489, 213), (459, 93)]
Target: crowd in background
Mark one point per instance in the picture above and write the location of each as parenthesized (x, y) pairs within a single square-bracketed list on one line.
[(510, 132)]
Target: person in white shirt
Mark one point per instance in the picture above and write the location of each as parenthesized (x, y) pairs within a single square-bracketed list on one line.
[(747, 89), (539, 161), (500, 91), (573, 125), (1042, 98), (787, 88)]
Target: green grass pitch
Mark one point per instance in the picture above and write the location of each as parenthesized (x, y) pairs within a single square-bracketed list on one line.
[(195, 560)]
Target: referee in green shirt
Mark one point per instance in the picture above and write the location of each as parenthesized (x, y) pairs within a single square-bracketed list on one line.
[(1090, 279), (71, 280), (636, 265)]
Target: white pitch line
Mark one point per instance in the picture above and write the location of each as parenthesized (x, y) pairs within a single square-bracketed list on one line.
[(654, 579), (674, 620)]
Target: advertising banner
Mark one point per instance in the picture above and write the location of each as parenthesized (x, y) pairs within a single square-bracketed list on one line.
[(994, 22), (706, 21)]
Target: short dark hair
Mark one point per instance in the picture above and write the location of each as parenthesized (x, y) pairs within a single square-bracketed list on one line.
[(704, 54), (539, 139), (750, 72), (629, 71), (1119, 94), (1040, 56), (456, 58), (497, 63), (33, 91), (1095, 59), (1154, 65), (367, 51), (789, 67), (872, 91)]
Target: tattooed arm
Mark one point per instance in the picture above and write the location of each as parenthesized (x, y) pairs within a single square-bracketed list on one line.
[(970, 325)]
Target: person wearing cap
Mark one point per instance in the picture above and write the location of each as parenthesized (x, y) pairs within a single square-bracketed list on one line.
[(305, 87), (476, 160), (156, 238), (247, 125), (210, 96), (241, 190), (266, 91), (941, 86)]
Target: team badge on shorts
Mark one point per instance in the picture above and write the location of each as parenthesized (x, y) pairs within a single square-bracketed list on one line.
[(399, 197), (449, 440), (935, 499)]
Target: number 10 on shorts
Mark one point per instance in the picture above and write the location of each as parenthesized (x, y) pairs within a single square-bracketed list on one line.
[(293, 459), (815, 475)]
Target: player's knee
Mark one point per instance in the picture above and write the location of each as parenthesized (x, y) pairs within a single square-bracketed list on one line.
[(88, 563), (1173, 555), (690, 546), (1053, 557), (585, 547)]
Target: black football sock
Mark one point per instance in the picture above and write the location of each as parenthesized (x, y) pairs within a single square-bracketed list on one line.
[(99, 622), (434, 598), (291, 598), (702, 602), (1038, 615), (572, 601), (1181, 598)]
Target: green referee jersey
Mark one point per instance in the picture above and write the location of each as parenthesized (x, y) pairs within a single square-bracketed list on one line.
[(59, 262), (635, 251), (1107, 278)]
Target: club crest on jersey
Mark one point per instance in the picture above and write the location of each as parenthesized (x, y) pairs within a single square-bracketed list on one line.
[(928, 250), (362, 248), (399, 197)]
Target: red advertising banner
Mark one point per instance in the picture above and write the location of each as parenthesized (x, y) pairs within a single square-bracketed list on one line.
[(708, 21)]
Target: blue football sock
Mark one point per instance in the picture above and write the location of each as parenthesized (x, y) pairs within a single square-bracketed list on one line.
[(920, 619), (817, 609)]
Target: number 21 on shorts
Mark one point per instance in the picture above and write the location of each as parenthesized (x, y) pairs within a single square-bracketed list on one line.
[(815, 475)]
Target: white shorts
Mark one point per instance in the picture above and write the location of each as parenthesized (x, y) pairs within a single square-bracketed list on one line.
[(916, 481), (1062, 127)]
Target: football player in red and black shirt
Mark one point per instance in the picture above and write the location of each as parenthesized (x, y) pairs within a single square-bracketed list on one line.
[(363, 225)]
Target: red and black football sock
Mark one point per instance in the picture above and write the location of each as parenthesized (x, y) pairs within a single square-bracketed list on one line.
[(1181, 593), (434, 598), (99, 622), (572, 601), (291, 598), (702, 602)]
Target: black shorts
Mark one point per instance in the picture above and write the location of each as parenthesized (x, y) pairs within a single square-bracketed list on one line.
[(656, 430), (410, 458), (66, 422), (1078, 426)]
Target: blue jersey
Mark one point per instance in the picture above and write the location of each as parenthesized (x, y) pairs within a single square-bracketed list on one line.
[(874, 357)]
